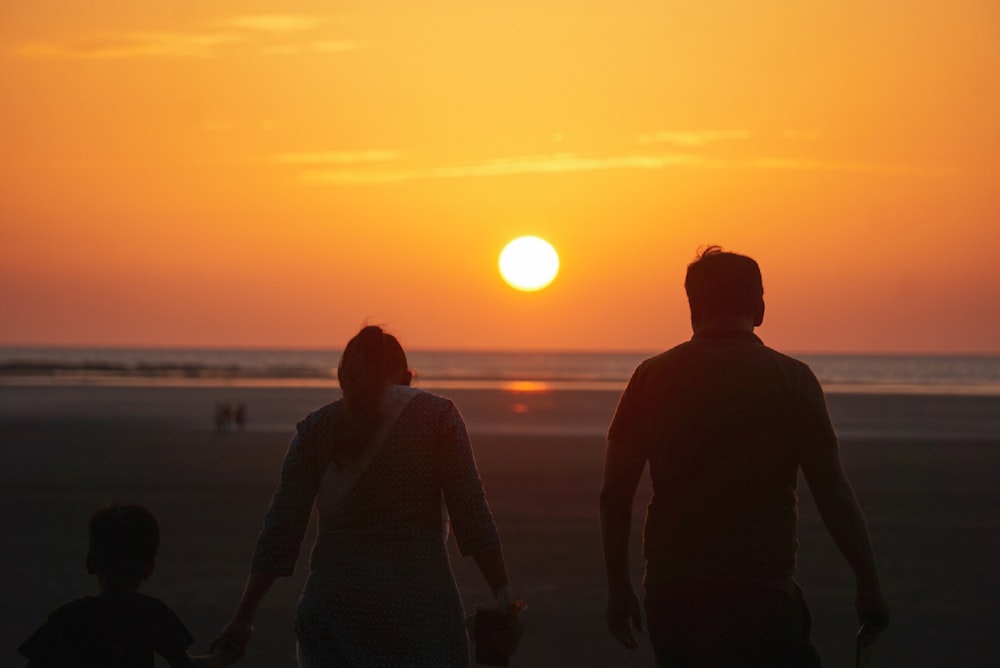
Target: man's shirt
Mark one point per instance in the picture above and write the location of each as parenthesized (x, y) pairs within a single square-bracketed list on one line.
[(723, 422)]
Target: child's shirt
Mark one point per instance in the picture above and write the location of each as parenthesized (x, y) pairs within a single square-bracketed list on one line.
[(120, 630)]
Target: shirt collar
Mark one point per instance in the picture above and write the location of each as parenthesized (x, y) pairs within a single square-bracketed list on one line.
[(726, 334)]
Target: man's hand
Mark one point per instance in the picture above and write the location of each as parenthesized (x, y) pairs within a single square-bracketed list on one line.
[(873, 613), (624, 613)]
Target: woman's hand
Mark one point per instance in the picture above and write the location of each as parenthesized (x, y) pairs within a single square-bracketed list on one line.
[(233, 640), (624, 613), (507, 638)]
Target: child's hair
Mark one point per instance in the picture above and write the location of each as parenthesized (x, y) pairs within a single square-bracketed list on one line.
[(123, 541)]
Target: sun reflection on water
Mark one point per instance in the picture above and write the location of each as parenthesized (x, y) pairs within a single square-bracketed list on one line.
[(526, 386)]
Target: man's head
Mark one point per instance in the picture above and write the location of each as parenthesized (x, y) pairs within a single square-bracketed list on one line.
[(724, 288), (124, 539)]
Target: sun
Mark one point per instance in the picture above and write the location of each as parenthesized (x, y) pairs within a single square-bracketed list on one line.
[(529, 263)]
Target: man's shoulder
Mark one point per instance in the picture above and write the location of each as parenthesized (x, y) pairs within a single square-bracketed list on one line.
[(688, 355), (792, 363), (667, 358)]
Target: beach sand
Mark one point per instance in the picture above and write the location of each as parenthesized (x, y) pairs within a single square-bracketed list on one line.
[(924, 468)]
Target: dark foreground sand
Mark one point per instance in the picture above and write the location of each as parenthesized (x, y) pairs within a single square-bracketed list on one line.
[(925, 469)]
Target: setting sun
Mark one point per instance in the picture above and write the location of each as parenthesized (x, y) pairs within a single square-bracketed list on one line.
[(529, 263)]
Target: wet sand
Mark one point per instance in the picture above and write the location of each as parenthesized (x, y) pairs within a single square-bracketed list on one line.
[(924, 468)]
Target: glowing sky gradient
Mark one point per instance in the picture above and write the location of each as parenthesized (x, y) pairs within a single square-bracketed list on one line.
[(222, 173)]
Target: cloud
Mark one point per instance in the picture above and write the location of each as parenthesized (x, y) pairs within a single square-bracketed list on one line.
[(335, 157), (277, 23), (362, 168), (135, 45), (264, 30), (696, 138), (556, 163), (799, 165)]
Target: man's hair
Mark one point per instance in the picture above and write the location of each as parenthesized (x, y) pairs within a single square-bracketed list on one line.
[(124, 539), (723, 284)]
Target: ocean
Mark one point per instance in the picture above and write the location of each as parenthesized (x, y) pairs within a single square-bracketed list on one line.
[(438, 369)]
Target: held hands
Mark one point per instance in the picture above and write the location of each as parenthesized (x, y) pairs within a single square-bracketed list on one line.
[(232, 641), (624, 613)]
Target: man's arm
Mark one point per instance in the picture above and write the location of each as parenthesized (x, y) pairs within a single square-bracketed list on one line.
[(623, 467), (844, 520)]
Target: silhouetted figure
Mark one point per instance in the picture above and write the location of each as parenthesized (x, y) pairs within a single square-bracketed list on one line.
[(223, 417), (240, 416), (382, 465), (725, 423), (118, 628)]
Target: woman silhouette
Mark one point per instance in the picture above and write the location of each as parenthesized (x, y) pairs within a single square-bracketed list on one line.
[(386, 466)]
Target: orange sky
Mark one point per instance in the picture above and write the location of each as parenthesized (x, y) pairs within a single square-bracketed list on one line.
[(254, 173)]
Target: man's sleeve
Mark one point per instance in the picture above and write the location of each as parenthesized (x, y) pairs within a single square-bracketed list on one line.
[(629, 424), (38, 648), (816, 428)]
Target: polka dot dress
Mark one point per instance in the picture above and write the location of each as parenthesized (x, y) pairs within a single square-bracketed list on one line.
[(380, 590)]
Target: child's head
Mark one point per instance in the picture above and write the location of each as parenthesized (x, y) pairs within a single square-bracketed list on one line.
[(123, 543)]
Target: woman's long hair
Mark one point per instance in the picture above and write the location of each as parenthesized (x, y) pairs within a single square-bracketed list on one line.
[(371, 361)]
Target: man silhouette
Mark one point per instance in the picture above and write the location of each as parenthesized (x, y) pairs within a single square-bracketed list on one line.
[(725, 423)]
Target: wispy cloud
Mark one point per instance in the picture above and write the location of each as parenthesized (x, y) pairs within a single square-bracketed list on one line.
[(272, 34), (800, 165), (335, 157), (362, 168), (135, 45), (277, 23), (556, 163), (325, 46), (692, 138)]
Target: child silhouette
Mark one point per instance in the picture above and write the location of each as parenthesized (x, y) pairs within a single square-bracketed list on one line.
[(118, 628)]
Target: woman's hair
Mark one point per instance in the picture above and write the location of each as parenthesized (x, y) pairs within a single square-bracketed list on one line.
[(371, 361)]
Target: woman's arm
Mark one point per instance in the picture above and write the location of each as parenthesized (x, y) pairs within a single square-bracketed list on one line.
[(280, 540), (234, 638), (494, 570), (469, 512)]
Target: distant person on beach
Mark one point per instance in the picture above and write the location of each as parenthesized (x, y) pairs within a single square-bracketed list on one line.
[(223, 416), (386, 467), (118, 628), (725, 423), (240, 416)]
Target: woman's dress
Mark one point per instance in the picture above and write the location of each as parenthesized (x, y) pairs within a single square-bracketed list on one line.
[(380, 590)]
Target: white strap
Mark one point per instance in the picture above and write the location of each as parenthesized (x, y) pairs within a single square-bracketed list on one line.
[(339, 481)]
